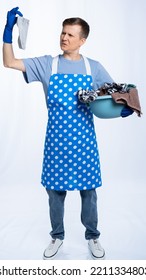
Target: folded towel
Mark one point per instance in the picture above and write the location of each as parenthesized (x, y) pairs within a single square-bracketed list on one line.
[(129, 98)]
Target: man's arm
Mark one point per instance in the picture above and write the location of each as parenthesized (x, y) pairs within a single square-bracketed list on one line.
[(9, 59)]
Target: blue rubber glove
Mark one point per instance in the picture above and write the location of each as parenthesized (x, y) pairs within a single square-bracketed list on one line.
[(126, 111), (11, 21)]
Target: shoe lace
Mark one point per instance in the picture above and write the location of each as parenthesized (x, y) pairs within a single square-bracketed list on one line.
[(97, 244), (51, 244)]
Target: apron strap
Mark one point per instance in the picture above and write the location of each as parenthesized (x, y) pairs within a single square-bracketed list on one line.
[(87, 65), (55, 65)]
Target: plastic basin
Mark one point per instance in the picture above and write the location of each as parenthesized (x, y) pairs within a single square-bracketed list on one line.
[(106, 108)]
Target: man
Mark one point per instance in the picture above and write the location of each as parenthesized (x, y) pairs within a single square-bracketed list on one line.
[(71, 159)]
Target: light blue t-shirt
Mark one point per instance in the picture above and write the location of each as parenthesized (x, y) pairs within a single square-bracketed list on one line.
[(40, 68)]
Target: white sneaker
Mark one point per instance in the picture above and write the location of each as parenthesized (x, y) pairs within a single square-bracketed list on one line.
[(96, 250), (52, 249)]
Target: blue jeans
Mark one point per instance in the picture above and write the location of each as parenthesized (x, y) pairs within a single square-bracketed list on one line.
[(89, 216)]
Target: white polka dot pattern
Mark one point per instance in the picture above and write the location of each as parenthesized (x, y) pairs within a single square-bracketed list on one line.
[(71, 160)]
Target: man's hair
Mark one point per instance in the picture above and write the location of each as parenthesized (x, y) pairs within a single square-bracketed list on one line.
[(78, 21)]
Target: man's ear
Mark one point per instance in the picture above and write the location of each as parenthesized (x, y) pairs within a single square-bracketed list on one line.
[(83, 40)]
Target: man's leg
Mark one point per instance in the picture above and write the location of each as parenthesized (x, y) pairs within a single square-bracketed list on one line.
[(89, 216), (56, 209)]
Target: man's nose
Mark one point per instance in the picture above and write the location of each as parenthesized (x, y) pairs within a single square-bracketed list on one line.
[(65, 36)]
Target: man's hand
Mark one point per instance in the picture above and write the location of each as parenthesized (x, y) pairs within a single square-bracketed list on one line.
[(11, 21)]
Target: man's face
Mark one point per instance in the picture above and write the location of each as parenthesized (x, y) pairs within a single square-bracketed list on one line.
[(70, 38)]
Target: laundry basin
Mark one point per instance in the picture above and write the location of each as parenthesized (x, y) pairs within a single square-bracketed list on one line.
[(105, 107)]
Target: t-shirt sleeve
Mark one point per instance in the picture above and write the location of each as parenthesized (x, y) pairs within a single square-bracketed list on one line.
[(99, 74), (37, 68)]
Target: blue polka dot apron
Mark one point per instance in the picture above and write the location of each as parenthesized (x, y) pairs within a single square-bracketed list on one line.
[(71, 159)]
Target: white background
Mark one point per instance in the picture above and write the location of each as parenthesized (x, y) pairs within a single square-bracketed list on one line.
[(117, 40)]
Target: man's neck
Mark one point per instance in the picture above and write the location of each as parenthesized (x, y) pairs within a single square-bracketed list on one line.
[(72, 56)]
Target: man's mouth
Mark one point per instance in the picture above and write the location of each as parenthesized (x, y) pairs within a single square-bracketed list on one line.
[(63, 44)]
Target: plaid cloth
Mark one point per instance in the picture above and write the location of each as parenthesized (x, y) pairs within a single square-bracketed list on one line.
[(86, 96)]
